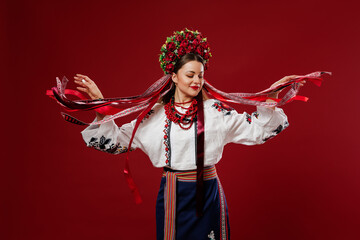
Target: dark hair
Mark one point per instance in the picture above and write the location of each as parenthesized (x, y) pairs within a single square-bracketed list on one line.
[(187, 58), (181, 62)]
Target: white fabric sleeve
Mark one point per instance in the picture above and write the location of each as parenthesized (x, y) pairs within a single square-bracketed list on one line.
[(108, 137), (256, 128)]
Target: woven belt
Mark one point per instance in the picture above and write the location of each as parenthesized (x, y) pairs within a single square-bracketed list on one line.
[(170, 194)]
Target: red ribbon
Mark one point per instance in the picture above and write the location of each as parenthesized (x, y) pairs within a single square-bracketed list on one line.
[(200, 156), (111, 106)]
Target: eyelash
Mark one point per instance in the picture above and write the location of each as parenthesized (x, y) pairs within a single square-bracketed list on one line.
[(192, 76)]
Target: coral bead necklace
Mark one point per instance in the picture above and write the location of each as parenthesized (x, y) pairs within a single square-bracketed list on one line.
[(185, 120)]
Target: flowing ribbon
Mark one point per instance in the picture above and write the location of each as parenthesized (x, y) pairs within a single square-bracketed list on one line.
[(120, 107), (200, 156)]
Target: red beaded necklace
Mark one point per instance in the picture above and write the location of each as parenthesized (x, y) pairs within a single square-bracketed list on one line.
[(182, 119)]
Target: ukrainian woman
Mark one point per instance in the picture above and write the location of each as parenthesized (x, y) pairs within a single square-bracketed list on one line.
[(183, 129)]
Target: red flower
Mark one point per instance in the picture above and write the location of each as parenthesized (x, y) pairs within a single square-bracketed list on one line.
[(184, 43), (200, 50), (206, 56), (181, 51), (196, 42), (205, 45), (188, 49), (199, 36), (190, 36), (170, 46), (170, 56), (179, 38), (169, 67)]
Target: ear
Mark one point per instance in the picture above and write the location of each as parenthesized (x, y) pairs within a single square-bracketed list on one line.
[(174, 78)]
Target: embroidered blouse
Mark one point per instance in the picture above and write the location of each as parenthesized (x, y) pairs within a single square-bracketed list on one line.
[(167, 144)]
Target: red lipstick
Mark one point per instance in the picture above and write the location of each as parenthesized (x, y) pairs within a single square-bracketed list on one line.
[(195, 87)]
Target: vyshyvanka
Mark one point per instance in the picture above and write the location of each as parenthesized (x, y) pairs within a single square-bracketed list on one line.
[(191, 202)]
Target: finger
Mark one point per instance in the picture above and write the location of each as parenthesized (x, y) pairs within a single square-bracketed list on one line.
[(81, 83), (86, 78), (80, 75), (82, 89), (78, 78)]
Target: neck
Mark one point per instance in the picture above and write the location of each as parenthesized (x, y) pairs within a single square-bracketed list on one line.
[(179, 98)]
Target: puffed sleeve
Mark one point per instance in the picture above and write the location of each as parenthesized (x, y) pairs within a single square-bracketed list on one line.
[(108, 137), (255, 128)]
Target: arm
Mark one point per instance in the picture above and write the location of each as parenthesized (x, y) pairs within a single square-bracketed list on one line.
[(88, 86), (108, 137), (255, 128)]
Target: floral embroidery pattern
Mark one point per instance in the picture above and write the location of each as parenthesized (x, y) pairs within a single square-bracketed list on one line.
[(111, 148), (222, 107), (166, 131), (248, 116), (147, 115), (278, 130), (211, 235)]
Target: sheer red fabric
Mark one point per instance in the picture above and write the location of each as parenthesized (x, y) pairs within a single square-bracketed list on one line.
[(120, 107)]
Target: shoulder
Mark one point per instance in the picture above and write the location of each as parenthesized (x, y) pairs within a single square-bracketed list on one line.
[(216, 106), (155, 111)]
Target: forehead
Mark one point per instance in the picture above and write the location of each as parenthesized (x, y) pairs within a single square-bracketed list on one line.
[(193, 66)]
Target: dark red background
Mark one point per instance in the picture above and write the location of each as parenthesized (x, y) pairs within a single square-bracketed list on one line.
[(303, 184)]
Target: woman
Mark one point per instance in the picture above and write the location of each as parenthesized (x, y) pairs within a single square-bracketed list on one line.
[(185, 133), (171, 144)]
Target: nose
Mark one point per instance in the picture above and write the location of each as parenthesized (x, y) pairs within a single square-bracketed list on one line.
[(197, 80)]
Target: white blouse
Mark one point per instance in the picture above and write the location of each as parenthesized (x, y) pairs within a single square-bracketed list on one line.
[(167, 144)]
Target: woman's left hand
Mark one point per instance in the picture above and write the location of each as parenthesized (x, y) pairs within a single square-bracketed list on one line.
[(284, 80)]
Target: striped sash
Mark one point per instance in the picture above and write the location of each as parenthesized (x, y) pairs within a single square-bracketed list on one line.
[(170, 195)]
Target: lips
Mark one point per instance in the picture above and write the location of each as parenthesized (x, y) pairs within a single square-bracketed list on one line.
[(195, 87)]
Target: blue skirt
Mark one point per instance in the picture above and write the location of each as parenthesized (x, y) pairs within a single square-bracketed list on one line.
[(176, 208)]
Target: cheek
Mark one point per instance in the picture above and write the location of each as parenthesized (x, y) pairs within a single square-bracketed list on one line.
[(184, 81)]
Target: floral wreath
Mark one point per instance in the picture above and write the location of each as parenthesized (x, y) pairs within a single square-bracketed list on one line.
[(181, 43)]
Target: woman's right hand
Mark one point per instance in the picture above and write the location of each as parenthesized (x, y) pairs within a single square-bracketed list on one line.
[(88, 86)]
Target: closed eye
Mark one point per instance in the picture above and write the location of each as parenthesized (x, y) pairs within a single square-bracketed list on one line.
[(193, 76)]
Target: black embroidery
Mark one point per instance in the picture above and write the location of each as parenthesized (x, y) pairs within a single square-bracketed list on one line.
[(147, 115), (166, 131), (248, 118), (110, 148), (278, 130), (222, 107)]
